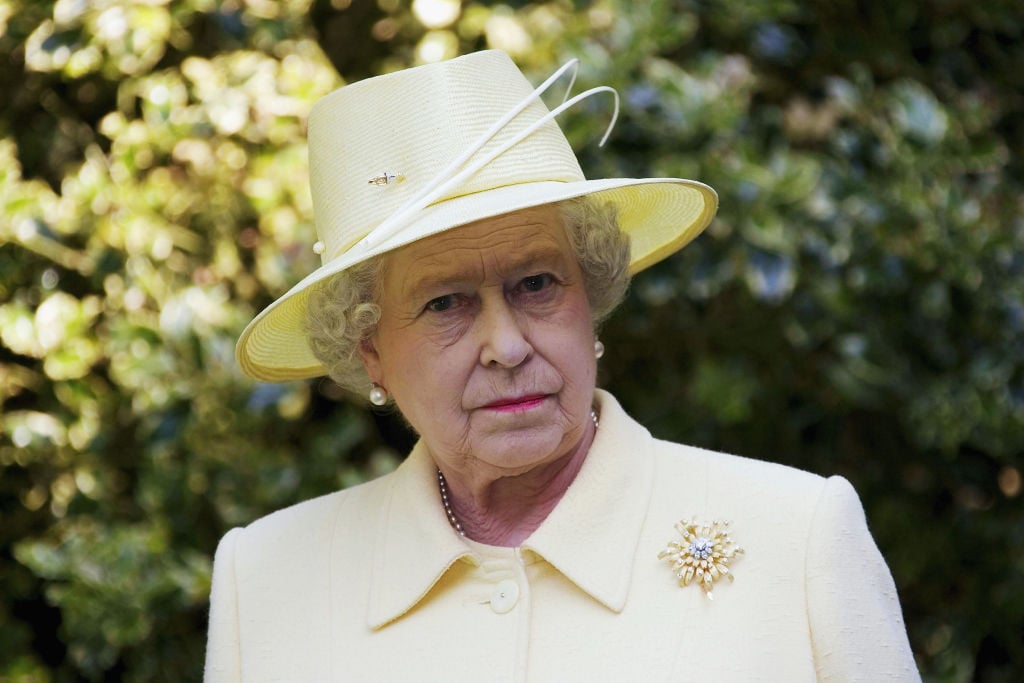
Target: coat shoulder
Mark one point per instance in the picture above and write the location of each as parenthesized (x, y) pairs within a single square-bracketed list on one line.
[(298, 530), (742, 471), (732, 485)]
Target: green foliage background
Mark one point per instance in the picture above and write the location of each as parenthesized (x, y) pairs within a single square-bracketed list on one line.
[(856, 308)]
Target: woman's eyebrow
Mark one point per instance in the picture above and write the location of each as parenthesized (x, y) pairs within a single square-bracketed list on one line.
[(444, 277), (533, 259), (440, 282)]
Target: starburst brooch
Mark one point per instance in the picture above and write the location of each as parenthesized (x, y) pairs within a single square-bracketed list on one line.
[(703, 555)]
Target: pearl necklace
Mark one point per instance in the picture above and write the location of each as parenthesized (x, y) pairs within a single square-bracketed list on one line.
[(443, 486)]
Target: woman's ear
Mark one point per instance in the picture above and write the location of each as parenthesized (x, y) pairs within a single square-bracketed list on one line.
[(371, 360)]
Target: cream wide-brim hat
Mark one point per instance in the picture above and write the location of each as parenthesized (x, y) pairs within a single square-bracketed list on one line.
[(400, 157)]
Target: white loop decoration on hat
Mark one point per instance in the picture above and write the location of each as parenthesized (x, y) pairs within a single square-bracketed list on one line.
[(437, 186)]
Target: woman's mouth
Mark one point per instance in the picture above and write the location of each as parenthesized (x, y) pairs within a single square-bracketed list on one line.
[(516, 404)]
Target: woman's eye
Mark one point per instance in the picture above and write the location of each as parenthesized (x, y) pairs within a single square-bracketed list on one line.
[(441, 303), (536, 283)]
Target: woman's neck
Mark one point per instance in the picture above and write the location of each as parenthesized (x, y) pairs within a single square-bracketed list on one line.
[(505, 511)]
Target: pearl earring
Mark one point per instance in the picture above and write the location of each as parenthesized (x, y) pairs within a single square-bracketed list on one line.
[(598, 348), (378, 394)]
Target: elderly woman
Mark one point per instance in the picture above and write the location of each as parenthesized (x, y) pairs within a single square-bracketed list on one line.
[(535, 531)]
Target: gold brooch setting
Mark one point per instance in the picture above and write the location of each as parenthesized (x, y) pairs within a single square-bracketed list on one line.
[(703, 555)]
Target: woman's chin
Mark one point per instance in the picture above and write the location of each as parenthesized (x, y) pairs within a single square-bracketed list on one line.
[(516, 451)]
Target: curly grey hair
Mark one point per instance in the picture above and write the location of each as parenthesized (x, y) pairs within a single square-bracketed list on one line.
[(342, 312)]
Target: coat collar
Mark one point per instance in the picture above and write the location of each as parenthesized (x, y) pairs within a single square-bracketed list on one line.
[(590, 536)]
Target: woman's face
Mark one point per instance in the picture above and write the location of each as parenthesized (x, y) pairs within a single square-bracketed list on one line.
[(486, 344)]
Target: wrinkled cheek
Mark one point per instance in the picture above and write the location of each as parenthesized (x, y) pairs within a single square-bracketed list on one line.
[(440, 389)]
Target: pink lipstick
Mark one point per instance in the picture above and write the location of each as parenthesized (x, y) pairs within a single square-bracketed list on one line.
[(516, 404)]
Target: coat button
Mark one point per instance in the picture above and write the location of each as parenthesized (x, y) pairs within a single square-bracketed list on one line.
[(505, 596)]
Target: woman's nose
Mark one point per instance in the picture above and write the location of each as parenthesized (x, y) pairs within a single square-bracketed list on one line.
[(503, 340)]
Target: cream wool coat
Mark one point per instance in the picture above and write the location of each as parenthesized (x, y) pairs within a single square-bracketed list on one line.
[(372, 584)]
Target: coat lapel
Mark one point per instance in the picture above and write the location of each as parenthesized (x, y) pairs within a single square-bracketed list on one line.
[(415, 544), (591, 536)]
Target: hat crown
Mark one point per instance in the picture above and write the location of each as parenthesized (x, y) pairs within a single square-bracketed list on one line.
[(375, 144)]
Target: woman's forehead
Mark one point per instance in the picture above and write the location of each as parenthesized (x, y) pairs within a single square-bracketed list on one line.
[(502, 243)]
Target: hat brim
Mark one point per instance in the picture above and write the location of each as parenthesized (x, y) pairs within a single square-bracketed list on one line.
[(660, 215)]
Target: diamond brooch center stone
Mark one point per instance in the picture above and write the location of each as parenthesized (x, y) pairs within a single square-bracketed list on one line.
[(701, 548)]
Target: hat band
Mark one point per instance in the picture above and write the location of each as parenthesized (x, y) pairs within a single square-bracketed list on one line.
[(438, 185)]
